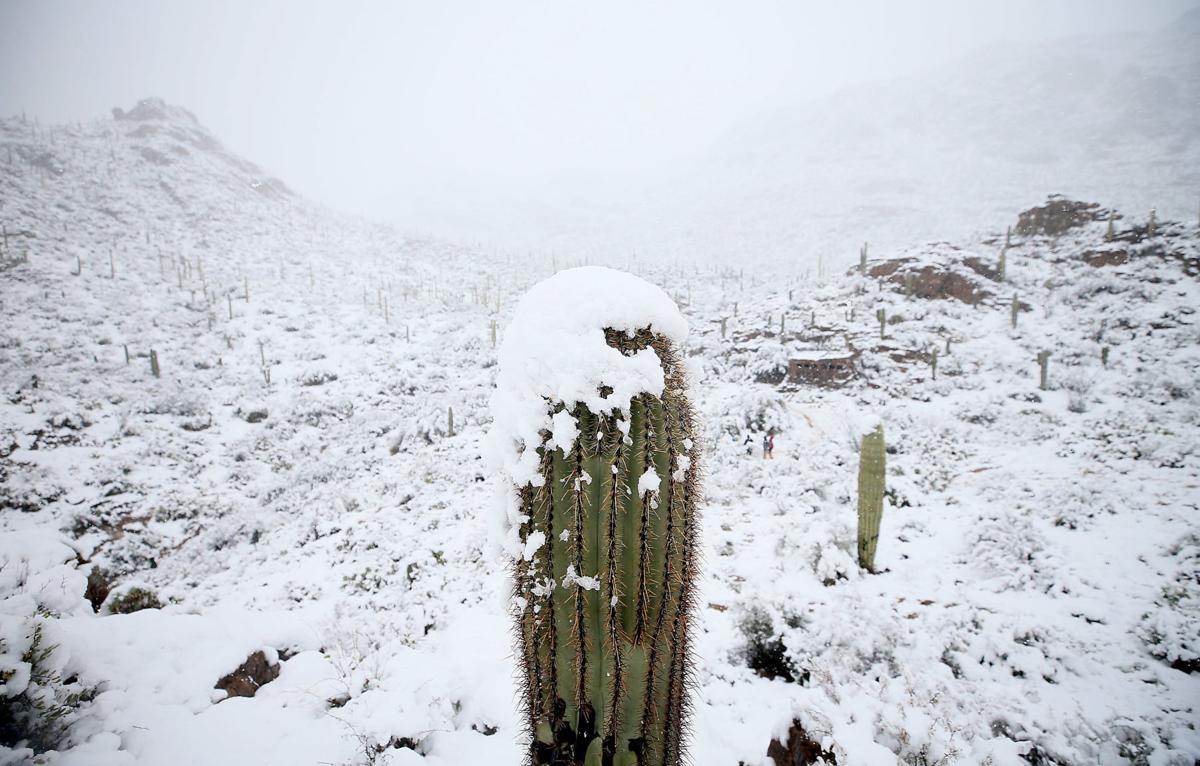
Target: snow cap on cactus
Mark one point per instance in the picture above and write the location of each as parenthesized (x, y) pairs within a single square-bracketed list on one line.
[(554, 350)]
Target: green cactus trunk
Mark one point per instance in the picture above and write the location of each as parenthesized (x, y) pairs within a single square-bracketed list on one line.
[(872, 468), (605, 600)]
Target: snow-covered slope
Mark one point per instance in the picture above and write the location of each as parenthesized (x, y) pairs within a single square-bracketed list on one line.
[(943, 154), (291, 482)]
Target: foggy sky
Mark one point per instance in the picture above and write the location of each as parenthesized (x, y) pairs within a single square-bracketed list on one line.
[(375, 108)]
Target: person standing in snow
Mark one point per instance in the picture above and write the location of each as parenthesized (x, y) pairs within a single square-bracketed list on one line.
[(766, 446), (770, 445)]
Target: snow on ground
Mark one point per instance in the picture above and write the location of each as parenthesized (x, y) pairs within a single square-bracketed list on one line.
[(291, 482)]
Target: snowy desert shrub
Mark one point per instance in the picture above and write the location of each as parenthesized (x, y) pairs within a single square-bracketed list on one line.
[(37, 705), (769, 365), (28, 488), (764, 651), (832, 563), (1010, 550), (134, 599), (1078, 387), (1171, 629), (316, 377), (756, 409)]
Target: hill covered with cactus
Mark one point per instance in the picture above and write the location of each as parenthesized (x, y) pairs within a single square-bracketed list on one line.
[(243, 509)]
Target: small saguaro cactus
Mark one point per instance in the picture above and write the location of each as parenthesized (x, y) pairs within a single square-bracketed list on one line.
[(722, 327), (872, 469), (600, 455), (450, 421), (1008, 238), (933, 364), (1152, 224), (1111, 232), (862, 259), (881, 315), (154, 363), (492, 331), (1015, 310), (1104, 356), (1043, 360), (947, 344), (1002, 268)]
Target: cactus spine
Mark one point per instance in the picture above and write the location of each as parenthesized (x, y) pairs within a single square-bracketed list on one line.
[(604, 602), (872, 467)]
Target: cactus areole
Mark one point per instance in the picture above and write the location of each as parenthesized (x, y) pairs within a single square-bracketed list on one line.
[(594, 440)]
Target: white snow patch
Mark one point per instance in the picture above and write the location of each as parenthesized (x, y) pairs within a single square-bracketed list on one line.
[(648, 483), (533, 544)]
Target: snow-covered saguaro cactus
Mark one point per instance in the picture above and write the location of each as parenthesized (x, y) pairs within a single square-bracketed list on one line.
[(594, 438), (872, 467)]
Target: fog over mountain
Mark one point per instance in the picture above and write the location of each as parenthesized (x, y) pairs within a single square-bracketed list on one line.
[(1111, 117), (770, 130)]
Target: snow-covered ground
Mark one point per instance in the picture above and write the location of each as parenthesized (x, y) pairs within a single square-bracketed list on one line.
[(291, 482)]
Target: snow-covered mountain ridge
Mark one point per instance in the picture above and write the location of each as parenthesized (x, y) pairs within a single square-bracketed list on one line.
[(290, 480)]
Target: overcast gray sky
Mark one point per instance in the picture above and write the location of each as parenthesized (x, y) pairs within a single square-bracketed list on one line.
[(369, 106)]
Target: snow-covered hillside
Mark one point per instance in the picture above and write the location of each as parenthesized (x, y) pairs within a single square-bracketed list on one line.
[(291, 482)]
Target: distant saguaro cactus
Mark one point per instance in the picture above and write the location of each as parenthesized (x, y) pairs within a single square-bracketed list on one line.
[(1104, 356), (1043, 360), (154, 363), (605, 581), (1152, 224), (1002, 268), (1015, 310), (450, 421), (862, 259), (872, 468), (933, 364), (1111, 233), (881, 315)]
